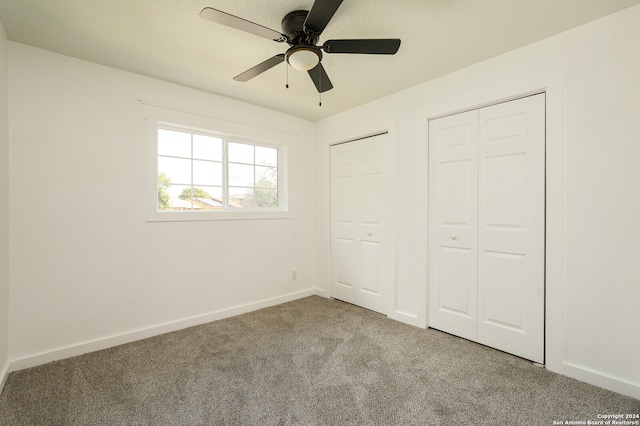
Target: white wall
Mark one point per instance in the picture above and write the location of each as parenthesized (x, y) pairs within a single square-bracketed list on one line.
[(4, 209), (86, 269), (590, 75)]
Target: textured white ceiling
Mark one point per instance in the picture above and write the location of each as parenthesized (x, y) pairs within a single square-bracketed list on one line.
[(167, 39)]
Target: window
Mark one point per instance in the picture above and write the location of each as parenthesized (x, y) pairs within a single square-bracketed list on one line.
[(203, 172), (205, 168)]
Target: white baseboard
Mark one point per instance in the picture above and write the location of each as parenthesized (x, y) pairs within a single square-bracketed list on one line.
[(320, 292), (600, 379), (120, 339), (4, 374)]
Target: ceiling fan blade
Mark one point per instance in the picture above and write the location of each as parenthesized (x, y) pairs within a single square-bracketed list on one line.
[(320, 14), (260, 68), (224, 18), (320, 78), (386, 46)]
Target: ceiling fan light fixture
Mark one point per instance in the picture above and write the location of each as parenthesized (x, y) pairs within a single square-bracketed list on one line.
[(303, 58)]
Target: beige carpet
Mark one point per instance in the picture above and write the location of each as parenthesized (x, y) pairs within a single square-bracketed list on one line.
[(312, 361)]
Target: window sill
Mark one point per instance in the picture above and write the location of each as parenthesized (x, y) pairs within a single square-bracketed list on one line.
[(218, 215)]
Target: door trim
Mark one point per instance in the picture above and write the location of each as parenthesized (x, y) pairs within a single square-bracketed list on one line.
[(488, 104)]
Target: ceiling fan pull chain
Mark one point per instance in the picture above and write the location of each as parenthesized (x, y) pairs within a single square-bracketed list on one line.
[(287, 67), (320, 84)]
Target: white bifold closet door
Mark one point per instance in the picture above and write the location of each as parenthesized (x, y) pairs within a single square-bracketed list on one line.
[(486, 226), (360, 263)]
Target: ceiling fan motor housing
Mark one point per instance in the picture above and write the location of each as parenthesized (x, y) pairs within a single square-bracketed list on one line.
[(293, 27)]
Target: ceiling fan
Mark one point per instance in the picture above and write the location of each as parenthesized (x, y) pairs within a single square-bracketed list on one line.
[(301, 29)]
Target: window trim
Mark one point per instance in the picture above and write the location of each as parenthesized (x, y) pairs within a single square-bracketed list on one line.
[(158, 117)]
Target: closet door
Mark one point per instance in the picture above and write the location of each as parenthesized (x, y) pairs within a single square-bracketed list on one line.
[(486, 226), (511, 178), (453, 218), (360, 264)]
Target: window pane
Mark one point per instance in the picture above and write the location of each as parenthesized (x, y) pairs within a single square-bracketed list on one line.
[(178, 170), (207, 173), (163, 196), (207, 148), (174, 202), (215, 192), (195, 192), (177, 144), (266, 156), (207, 198), (240, 175), (176, 190), (266, 177), (240, 198), (240, 153), (264, 197)]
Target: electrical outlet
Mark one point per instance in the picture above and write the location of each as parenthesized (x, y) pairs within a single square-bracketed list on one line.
[(294, 274)]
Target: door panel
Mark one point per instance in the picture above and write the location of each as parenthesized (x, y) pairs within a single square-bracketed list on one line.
[(455, 281), (504, 293), (452, 273), (505, 201), (359, 180), (457, 197), (344, 271), (370, 199), (369, 270), (511, 227), (346, 258)]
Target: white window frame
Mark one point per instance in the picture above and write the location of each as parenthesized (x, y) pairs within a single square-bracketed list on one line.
[(160, 117)]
